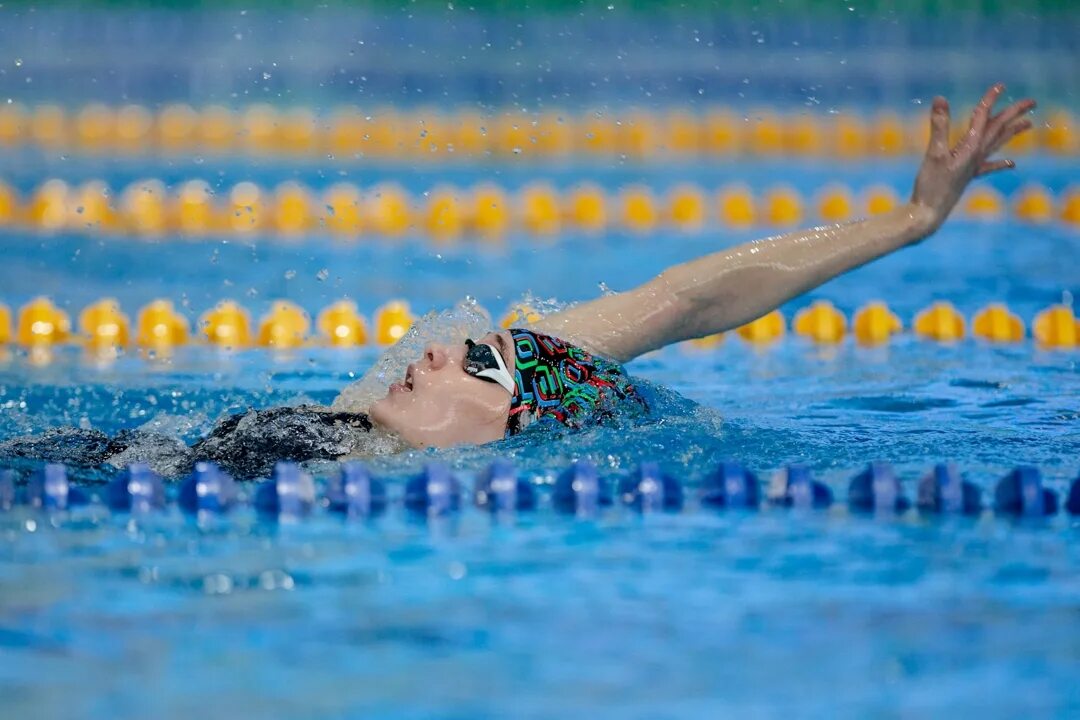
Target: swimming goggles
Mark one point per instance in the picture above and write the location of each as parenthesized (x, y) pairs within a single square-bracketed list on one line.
[(486, 363)]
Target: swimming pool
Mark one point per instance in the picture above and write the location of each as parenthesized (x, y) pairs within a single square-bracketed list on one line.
[(700, 612)]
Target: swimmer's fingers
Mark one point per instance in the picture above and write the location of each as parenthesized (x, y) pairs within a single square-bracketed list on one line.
[(1006, 119), (939, 129), (991, 167), (1005, 135), (980, 116)]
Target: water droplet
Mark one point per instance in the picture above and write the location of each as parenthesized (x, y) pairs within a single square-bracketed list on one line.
[(18, 62), (322, 274), (290, 274)]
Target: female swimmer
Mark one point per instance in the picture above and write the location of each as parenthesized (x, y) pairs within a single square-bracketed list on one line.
[(565, 369)]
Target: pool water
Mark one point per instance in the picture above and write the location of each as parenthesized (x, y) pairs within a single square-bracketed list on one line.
[(699, 613)]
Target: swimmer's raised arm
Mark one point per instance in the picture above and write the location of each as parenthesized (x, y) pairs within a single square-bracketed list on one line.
[(732, 287)]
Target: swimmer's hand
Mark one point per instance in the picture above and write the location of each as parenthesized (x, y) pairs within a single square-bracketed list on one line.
[(946, 172)]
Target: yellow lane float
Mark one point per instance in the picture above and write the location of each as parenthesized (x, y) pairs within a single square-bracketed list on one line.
[(686, 208), (984, 203), (444, 217), (41, 323), (835, 204), (941, 321), (803, 136), (821, 322), (1070, 206), (49, 206), (1057, 327), (94, 128), (160, 326), (887, 136), (9, 204), (766, 329), (342, 325), (194, 212), (103, 325), (783, 206), (217, 129), (299, 132), (1033, 203), (587, 208), (143, 207), (490, 211), (682, 134), (134, 128), (49, 127), (285, 326), (723, 133), (765, 134), (519, 315), (880, 199), (539, 209), (246, 208), (292, 213), (342, 214), (875, 323), (1059, 134), (91, 208), (176, 128), (638, 209), (227, 325), (996, 324), (388, 208), (14, 124), (708, 342), (392, 321), (5, 324), (737, 206)]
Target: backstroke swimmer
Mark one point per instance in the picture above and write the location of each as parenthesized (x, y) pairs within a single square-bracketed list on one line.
[(565, 368)]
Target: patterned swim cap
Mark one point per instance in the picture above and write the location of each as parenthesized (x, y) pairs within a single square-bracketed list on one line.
[(554, 380)]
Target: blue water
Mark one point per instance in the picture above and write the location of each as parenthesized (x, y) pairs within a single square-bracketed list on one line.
[(698, 614)]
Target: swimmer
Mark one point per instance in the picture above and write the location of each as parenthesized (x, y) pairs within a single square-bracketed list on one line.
[(565, 369)]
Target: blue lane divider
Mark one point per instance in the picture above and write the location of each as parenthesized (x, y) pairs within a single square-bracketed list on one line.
[(580, 491), (435, 491), (138, 490), (499, 489), (354, 493), (208, 489), (1021, 493), (877, 489), (731, 486), (794, 486), (648, 489), (7, 489), (49, 489), (1072, 504), (288, 495), (944, 490)]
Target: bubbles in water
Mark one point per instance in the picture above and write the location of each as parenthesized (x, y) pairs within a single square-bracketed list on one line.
[(322, 274)]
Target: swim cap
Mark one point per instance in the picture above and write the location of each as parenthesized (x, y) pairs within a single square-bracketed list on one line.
[(557, 381)]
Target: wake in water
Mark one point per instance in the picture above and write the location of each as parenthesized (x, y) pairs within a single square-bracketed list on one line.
[(248, 444)]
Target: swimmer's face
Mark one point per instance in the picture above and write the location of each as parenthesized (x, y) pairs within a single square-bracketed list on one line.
[(438, 404)]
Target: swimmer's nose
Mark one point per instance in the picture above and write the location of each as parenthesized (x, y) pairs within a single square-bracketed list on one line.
[(436, 355)]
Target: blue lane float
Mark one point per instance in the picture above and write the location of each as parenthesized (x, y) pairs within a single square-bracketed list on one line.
[(731, 486), (877, 489), (49, 489), (7, 489), (353, 492), (579, 490), (500, 489), (648, 489), (1072, 503), (436, 491), (794, 486), (208, 489), (289, 494), (137, 490), (1021, 494), (944, 490)]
